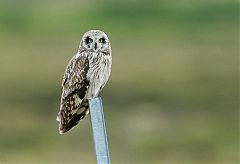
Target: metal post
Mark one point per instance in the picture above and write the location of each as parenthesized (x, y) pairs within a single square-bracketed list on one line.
[(99, 131)]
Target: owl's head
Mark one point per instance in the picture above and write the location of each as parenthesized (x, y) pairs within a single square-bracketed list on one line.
[(95, 40)]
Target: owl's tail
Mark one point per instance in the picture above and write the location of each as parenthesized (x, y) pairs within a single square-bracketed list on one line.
[(66, 123)]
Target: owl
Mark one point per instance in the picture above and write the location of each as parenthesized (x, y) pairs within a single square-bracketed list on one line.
[(85, 76)]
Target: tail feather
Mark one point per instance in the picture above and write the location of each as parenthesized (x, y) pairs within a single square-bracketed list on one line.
[(67, 120)]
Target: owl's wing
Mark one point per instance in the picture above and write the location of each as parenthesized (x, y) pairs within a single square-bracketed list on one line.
[(73, 107)]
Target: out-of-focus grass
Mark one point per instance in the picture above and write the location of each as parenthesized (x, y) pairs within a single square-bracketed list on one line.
[(172, 96)]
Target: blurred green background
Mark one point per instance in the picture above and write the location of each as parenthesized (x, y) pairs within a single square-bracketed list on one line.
[(173, 92)]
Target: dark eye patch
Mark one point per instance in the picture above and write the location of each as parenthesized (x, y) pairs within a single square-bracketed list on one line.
[(88, 40), (102, 40)]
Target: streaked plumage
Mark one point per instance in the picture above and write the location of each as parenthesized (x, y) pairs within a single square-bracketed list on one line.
[(85, 76)]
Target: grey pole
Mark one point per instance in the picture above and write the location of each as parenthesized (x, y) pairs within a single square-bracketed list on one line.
[(99, 131)]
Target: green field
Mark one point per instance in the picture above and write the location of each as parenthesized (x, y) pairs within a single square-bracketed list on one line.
[(173, 92)]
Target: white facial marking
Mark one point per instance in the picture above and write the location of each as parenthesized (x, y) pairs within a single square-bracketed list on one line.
[(95, 40)]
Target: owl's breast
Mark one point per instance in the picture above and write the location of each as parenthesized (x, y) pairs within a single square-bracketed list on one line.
[(98, 73)]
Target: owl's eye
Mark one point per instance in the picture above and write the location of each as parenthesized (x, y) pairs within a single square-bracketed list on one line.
[(89, 40), (102, 40)]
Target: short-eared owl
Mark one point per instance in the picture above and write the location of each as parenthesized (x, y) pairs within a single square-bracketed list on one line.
[(85, 76)]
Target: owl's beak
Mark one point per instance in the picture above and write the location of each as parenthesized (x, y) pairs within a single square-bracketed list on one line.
[(95, 46)]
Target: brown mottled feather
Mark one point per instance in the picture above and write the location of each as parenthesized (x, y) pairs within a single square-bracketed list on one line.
[(75, 84)]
